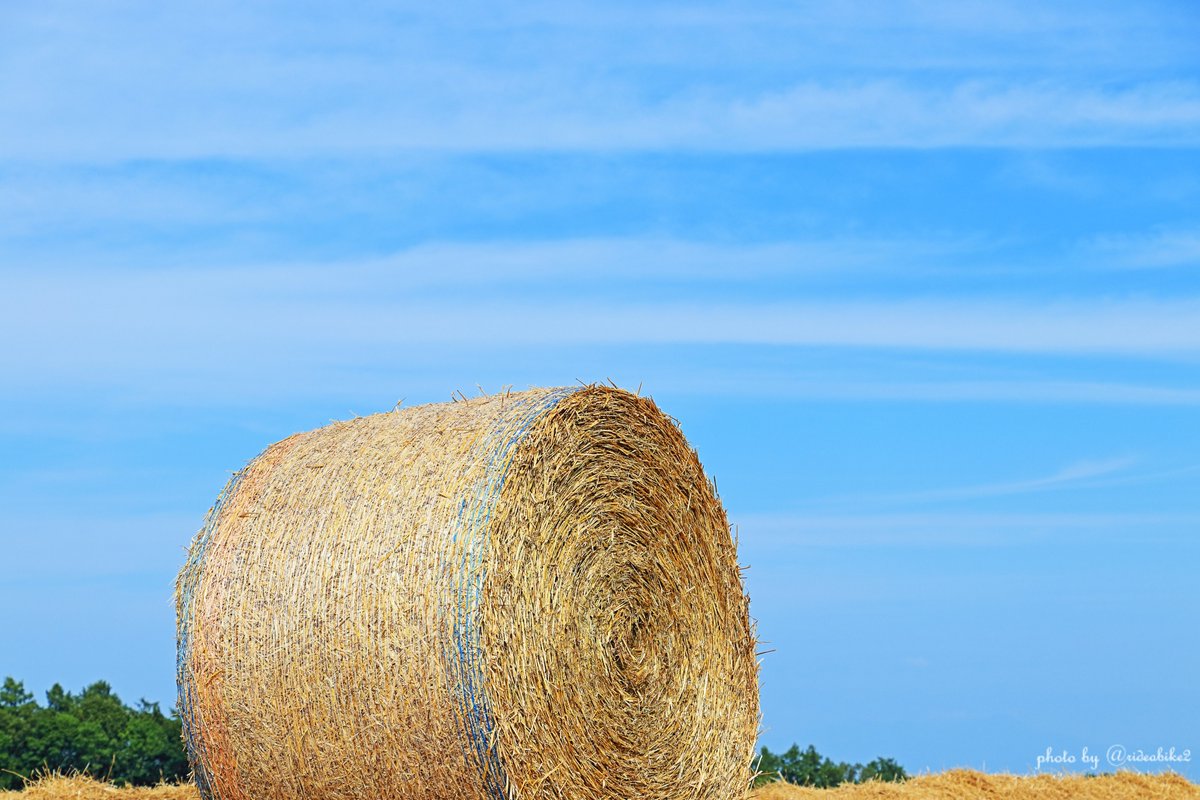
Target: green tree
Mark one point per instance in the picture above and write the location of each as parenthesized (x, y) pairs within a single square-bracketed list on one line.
[(92, 730), (809, 768), (154, 741), (18, 719), (883, 769)]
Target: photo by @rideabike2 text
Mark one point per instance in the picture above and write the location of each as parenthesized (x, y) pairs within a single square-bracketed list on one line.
[(1116, 756)]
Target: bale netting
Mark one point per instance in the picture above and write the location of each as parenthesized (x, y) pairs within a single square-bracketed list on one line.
[(526, 595)]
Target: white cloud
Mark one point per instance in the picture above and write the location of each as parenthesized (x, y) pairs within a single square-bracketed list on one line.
[(805, 116), (942, 389), (233, 327), (134, 81), (1159, 249), (1081, 474), (772, 535), (645, 260), (886, 113), (1167, 327)]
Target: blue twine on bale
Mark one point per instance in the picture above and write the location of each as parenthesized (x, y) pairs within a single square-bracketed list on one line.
[(466, 669)]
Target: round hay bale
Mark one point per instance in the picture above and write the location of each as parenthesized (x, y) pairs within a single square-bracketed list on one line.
[(527, 595)]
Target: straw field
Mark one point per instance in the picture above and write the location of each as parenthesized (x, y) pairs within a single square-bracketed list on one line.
[(527, 596), (971, 785), (954, 785)]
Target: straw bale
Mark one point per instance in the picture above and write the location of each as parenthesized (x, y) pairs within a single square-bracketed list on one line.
[(528, 595)]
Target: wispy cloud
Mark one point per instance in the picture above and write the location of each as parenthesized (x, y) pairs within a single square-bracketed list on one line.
[(648, 260), (1080, 474), (138, 81), (763, 534), (968, 113), (1085, 474), (838, 386), (1155, 250), (803, 116), (225, 324)]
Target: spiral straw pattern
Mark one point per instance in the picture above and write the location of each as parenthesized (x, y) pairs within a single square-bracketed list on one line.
[(527, 595)]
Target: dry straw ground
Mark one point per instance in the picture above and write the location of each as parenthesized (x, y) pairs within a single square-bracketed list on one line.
[(954, 785), (971, 785)]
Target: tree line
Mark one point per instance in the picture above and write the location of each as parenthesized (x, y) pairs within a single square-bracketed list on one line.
[(809, 768), (140, 745), (92, 731)]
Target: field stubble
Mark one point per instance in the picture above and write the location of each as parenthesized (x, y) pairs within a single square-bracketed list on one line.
[(951, 785)]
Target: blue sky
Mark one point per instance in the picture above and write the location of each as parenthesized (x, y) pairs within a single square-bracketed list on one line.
[(921, 282)]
